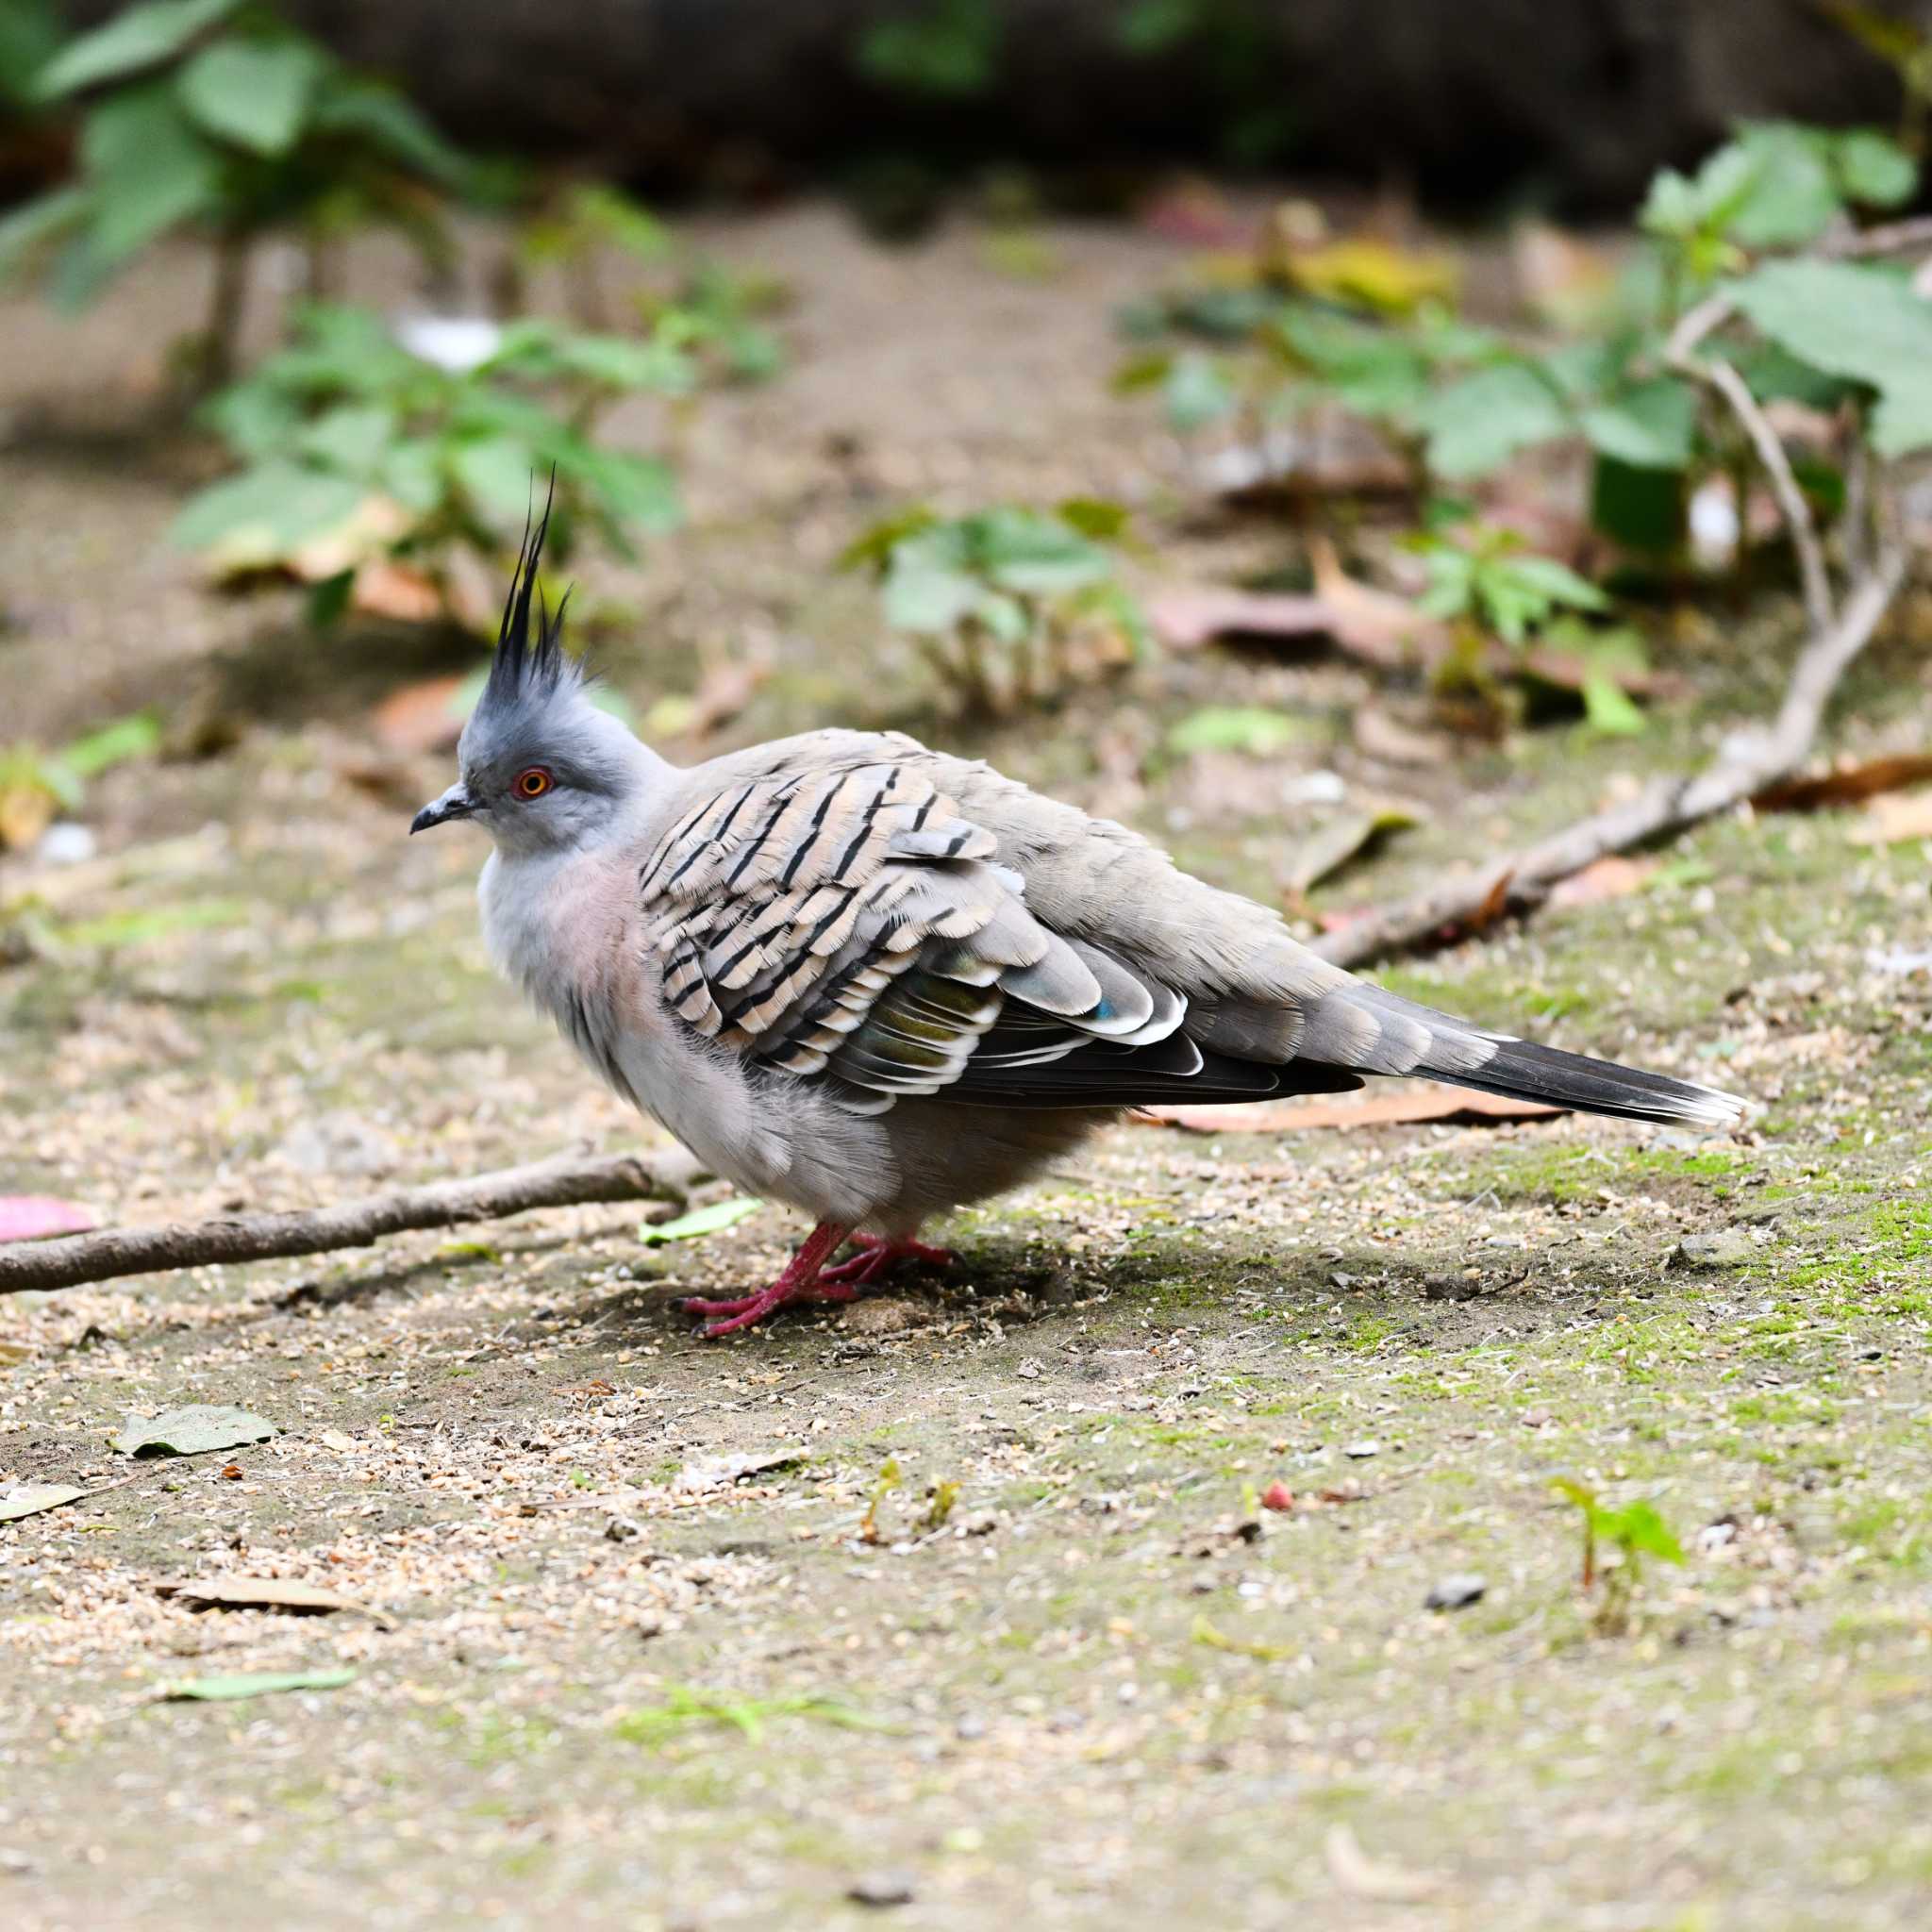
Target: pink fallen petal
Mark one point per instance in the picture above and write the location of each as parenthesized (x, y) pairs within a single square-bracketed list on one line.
[(26, 1216)]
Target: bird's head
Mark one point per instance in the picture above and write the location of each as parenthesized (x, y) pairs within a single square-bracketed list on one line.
[(541, 767)]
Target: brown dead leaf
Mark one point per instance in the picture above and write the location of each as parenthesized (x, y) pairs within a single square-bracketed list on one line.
[(1378, 736), (1892, 820), (1354, 1872), (1369, 624), (1343, 840), (27, 809), (383, 588), (420, 717), (1495, 903), (1405, 1107), (1614, 877), (268, 1593), (1847, 784), (1188, 616)]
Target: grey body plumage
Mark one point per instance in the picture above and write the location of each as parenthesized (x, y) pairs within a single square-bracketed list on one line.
[(877, 982)]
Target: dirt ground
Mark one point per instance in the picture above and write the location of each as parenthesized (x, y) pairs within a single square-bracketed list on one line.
[(997, 1632)]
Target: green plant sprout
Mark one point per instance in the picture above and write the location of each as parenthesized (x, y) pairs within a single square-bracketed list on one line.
[(1632, 1533), (1008, 604), (347, 433), (217, 117), (748, 1716)]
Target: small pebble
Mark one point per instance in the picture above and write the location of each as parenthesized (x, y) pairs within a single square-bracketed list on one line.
[(1362, 1451), (1455, 1592), (881, 1889), (1729, 1247)]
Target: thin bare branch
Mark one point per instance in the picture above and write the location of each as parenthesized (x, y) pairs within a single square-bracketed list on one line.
[(1664, 808), (568, 1181)]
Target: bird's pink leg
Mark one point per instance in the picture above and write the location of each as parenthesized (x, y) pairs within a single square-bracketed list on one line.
[(878, 1256), (801, 1281)]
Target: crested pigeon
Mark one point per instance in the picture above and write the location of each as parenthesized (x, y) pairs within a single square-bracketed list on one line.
[(875, 982)]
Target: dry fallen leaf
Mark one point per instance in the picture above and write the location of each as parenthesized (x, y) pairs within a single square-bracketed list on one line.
[(1400, 1108), (1344, 840), (1370, 624), (268, 1593), (1890, 819), (383, 588), (1378, 736), (1614, 877), (1847, 784), (1188, 616), (1354, 1872), (421, 717)]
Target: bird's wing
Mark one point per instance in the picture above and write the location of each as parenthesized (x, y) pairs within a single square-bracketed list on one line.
[(843, 922), (858, 911)]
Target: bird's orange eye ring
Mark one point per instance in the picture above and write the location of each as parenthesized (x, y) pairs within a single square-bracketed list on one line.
[(533, 783)]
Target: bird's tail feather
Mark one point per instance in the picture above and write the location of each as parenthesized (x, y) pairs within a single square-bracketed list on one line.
[(1520, 1070)]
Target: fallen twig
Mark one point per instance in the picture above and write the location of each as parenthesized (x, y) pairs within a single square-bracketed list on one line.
[(567, 1181), (1666, 807), (1681, 354)]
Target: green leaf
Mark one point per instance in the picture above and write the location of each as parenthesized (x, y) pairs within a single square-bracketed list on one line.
[(26, 230), (136, 736), (411, 472), (1638, 1526), (640, 492), (1651, 426), (1477, 424), (1858, 321), (1607, 708), (1094, 518), (352, 437), (138, 38), (924, 597), (29, 1499), (30, 33), (1155, 26), (381, 117), (497, 471), (194, 1431), (329, 598), (699, 1222), (1197, 392), (1554, 582), (1875, 170), (1792, 197), (287, 501), (873, 548), (254, 93), (148, 169), (948, 48), (1251, 728), (254, 419), (1640, 508), (240, 1684)]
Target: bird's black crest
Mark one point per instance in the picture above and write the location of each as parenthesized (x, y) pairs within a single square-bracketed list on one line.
[(526, 667)]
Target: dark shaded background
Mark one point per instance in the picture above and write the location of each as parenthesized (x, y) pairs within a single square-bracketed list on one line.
[(1574, 100)]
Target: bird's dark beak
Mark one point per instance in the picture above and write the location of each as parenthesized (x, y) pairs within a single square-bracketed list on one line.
[(455, 804)]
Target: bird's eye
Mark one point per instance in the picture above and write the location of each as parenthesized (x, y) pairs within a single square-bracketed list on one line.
[(533, 783)]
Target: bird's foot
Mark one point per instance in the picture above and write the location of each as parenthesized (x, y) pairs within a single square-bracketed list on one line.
[(878, 1256), (803, 1280)]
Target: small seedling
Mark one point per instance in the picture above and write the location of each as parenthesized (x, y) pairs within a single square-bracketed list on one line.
[(1009, 605), (1486, 576), (1631, 1533), (939, 1506), (889, 1480)]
